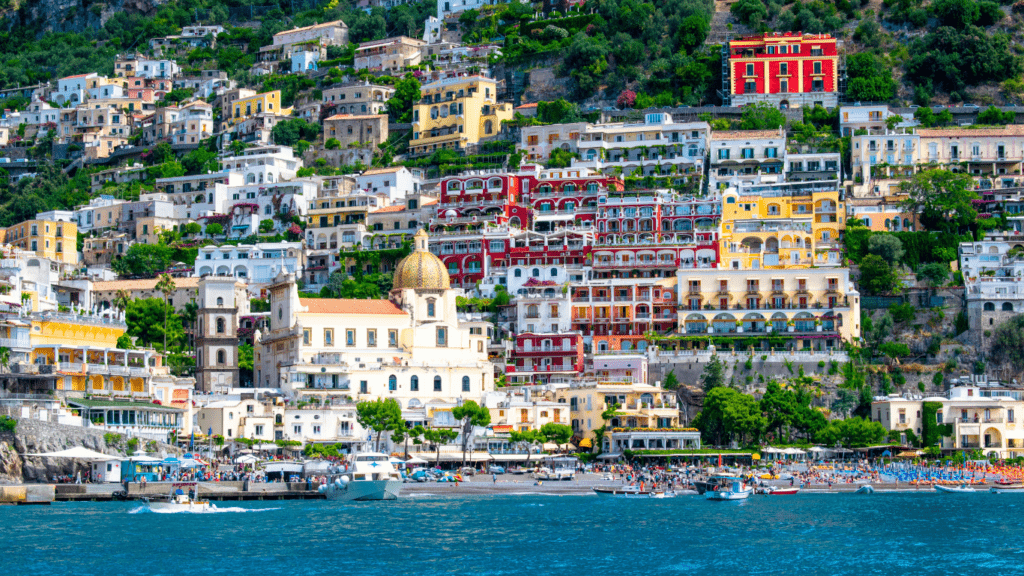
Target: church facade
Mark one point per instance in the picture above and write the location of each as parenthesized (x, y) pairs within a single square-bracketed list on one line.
[(412, 347)]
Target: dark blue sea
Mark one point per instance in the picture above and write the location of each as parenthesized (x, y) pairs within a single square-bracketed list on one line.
[(831, 534)]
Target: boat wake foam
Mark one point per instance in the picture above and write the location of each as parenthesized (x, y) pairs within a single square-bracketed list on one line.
[(211, 510)]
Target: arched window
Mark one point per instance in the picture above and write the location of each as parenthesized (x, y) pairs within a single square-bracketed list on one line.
[(221, 357), (220, 301), (392, 383), (414, 384), (1007, 307), (220, 325), (518, 273), (536, 272), (437, 383), (990, 307), (465, 383), (554, 272)]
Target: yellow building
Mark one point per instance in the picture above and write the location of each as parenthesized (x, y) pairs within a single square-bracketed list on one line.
[(48, 239), (788, 228), (457, 112), (641, 406), (245, 108)]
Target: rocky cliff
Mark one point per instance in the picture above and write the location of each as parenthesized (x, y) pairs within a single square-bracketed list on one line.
[(71, 15), (35, 436)]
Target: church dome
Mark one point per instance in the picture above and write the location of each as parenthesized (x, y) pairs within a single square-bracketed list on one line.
[(421, 269)]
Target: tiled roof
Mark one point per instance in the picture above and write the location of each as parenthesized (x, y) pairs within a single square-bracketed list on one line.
[(389, 209), (745, 135), (349, 306), (373, 171), (324, 25), (145, 284), (355, 117), (1011, 130)]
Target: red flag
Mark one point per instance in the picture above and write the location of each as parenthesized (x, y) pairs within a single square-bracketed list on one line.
[(719, 460)]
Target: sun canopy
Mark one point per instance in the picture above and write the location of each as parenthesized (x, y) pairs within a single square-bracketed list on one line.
[(246, 459), (78, 453), (415, 460)]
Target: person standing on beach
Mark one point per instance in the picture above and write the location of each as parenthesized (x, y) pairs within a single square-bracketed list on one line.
[(494, 477)]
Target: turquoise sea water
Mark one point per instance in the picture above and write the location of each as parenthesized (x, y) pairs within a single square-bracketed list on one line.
[(831, 534)]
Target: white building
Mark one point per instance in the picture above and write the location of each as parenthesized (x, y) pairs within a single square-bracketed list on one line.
[(658, 145), (264, 164), (256, 264), (396, 182), (157, 68), (414, 347), (251, 204), (71, 89)]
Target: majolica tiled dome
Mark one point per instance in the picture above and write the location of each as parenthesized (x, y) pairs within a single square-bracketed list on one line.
[(421, 269)]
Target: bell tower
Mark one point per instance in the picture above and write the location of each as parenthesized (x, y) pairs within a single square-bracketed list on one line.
[(217, 335)]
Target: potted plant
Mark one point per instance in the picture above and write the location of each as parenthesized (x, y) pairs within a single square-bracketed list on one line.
[(817, 324), (739, 325), (791, 326)]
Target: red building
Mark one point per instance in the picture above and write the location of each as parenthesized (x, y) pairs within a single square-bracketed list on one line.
[(468, 202), (564, 196), (537, 357), (785, 69)]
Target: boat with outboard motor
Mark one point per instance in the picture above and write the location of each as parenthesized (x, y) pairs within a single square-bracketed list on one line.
[(632, 492), (372, 478), (729, 489), (961, 489), (179, 500)]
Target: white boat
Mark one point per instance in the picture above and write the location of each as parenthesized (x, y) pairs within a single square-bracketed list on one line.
[(961, 489), (179, 501), (372, 478), (632, 492), (1007, 489), (547, 474), (865, 489), (733, 490)]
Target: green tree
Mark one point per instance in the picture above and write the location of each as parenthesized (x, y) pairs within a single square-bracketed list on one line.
[(144, 260), (381, 415), (439, 437), (1006, 343), (749, 12), (730, 415), (332, 144), (471, 415), (956, 13), (214, 229), (556, 433), (942, 198), (887, 246), (671, 382), (877, 276), (294, 130), (762, 116), (145, 320), (935, 274), (713, 375), (852, 433), (994, 116), (407, 93), (165, 285), (529, 438), (193, 228), (692, 32)]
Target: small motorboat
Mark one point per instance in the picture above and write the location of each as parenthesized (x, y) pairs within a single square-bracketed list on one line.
[(632, 492), (961, 489), (865, 489), (734, 490), (780, 491), (1007, 489), (178, 501)]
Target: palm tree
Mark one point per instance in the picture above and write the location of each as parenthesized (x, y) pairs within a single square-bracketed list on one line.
[(166, 287), (121, 300)]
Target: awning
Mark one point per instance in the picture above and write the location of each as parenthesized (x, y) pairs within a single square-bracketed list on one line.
[(614, 456), (78, 453), (415, 460)]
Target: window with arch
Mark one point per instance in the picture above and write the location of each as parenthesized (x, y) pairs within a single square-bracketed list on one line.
[(1007, 307), (518, 273), (221, 357), (990, 307), (414, 384), (437, 383), (536, 272), (554, 272), (392, 383), (465, 383), (220, 325), (220, 301)]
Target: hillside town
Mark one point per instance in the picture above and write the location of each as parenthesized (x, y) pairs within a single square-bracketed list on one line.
[(355, 246)]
